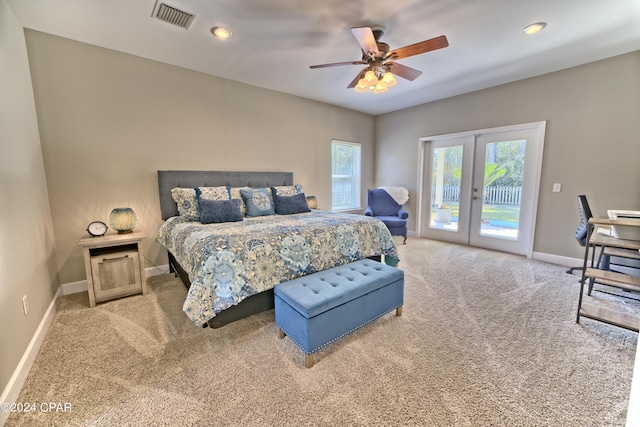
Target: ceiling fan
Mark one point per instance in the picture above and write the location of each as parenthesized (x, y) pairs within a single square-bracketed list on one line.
[(378, 75)]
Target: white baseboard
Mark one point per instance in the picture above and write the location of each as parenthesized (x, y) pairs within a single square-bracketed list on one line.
[(557, 259), (81, 286), (627, 266), (73, 287), (14, 386), (156, 270)]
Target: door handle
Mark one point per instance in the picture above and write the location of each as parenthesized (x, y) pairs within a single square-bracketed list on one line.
[(476, 197)]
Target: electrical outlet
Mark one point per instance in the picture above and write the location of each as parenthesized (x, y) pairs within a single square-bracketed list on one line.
[(25, 305), (557, 188)]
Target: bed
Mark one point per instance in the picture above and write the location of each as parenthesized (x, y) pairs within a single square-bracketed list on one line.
[(230, 268)]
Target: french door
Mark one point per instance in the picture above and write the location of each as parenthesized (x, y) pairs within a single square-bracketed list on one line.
[(480, 188)]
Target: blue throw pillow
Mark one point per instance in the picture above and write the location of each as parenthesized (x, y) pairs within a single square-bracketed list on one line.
[(215, 211), (287, 205), (258, 201)]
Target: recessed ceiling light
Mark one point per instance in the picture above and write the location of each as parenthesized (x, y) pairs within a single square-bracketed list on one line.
[(221, 32), (534, 28)]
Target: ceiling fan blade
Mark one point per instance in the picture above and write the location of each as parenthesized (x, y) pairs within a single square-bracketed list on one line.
[(337, 64), (357, 79), (403, 71), (418, 48), (366, 40)]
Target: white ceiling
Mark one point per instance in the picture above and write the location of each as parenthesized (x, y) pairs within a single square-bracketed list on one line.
[(275, 41)]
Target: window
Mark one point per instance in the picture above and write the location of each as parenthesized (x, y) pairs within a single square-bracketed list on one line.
[(345, 175)]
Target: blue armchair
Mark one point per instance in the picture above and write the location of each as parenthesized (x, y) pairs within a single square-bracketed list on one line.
[(381, 205)]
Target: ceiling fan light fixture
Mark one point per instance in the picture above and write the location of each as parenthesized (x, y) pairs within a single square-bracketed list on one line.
[(534, 28), (221, 32), (370, 78), (379, 59), (362, 87), (389, 79), (380, 88)]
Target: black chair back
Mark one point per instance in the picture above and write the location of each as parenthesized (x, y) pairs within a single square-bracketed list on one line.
[(585, 215)]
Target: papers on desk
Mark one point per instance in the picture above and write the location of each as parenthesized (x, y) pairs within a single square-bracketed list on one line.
[(625, 232), (604, 231), (621, 231), (616, 214)]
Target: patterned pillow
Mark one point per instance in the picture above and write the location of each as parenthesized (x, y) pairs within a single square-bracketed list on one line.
[(187, 202), (257, 201), (286, 190), (287, 205), (213, 193), (216, 211), (234, 193)]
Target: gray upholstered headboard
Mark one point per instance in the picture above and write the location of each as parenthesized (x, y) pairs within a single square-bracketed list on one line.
[(171, 179)]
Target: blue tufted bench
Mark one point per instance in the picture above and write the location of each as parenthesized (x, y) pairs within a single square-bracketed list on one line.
[(319, 308)]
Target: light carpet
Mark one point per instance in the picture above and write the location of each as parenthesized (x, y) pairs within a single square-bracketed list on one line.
[(485, 338)]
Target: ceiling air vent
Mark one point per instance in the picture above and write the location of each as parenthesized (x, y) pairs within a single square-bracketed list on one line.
[(174, 16)]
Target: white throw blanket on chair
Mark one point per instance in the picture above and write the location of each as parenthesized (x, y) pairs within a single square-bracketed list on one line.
[(399, 194)]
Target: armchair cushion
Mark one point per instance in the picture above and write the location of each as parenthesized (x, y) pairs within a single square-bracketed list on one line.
[(393, 221), (402, 214)]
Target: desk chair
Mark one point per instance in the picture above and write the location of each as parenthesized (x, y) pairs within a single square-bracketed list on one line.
[(583, 226)]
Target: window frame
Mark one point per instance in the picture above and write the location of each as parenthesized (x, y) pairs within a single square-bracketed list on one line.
[(355, 178)]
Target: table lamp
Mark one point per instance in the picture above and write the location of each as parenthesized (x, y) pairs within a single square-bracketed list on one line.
[(123, 220), (312, 202)]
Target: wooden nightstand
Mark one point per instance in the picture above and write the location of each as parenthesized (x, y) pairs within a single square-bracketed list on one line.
[(114, 264)]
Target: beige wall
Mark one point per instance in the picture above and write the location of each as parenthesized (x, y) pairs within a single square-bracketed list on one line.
[(27, 265), (108, 121), (592, 143)]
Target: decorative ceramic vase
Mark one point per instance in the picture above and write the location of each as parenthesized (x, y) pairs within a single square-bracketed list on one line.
[(123, 220)]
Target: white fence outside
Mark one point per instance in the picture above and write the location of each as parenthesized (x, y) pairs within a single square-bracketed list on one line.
[(502, 195)]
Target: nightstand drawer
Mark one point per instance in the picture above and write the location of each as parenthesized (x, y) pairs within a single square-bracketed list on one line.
[(115, 274), (114, 264)]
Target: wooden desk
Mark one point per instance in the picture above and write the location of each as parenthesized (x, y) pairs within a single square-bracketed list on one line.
[(591, 272)]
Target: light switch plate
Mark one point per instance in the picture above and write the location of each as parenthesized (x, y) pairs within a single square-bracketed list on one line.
[(557, 187)]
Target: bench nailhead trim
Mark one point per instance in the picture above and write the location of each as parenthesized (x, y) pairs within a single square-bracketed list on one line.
[(337, 338)]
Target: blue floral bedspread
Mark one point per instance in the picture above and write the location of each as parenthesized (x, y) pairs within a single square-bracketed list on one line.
[(231, 261)]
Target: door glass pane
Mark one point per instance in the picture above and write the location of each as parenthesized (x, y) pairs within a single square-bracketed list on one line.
[(445, 187), (502, 190)]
